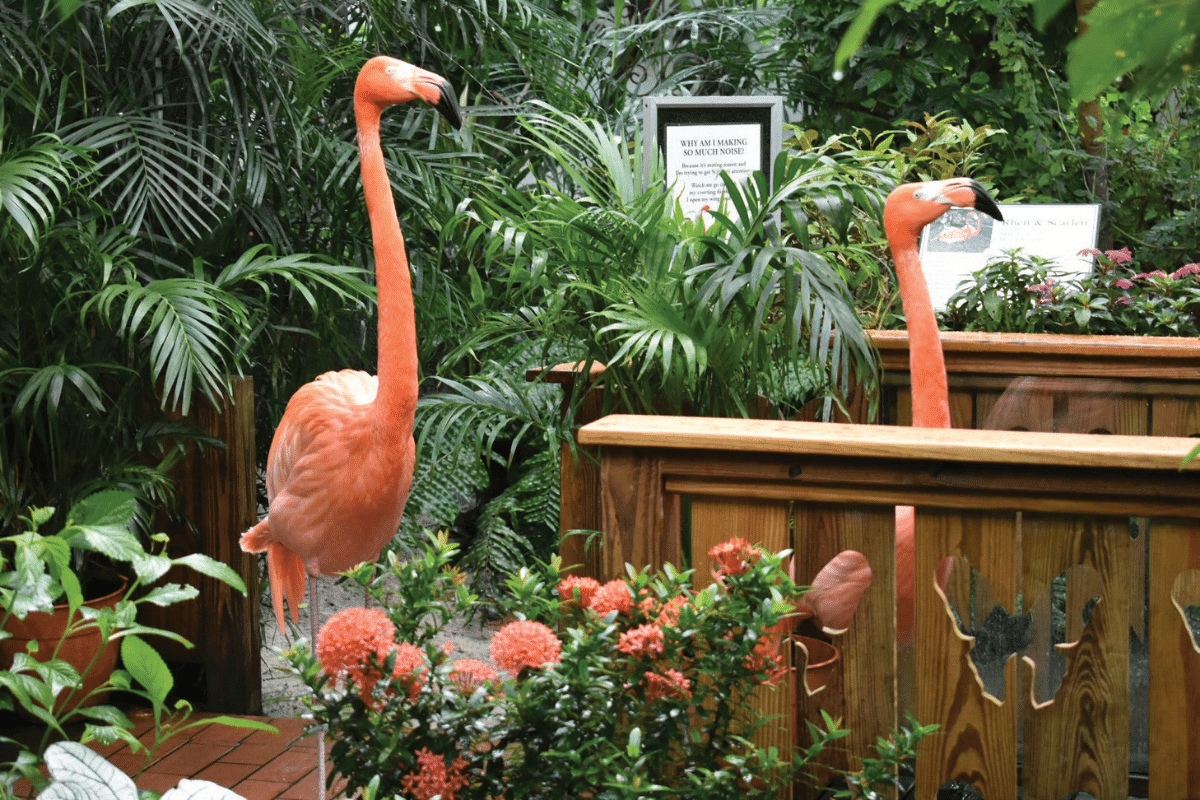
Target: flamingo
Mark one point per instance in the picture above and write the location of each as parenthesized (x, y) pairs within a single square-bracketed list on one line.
[(837, 589), (341, 461)]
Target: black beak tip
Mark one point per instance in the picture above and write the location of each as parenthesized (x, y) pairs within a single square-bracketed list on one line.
[(447, 106), (985, 203)]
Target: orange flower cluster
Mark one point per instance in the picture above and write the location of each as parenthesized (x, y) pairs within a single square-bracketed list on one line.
[(733, 557), (525, 643), (671, 684), (433, 778), (613, 596), (350, 637), (766, 658), (644, 641), (576, 591), (469, 674)]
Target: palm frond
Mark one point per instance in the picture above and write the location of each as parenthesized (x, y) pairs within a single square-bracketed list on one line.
[(33, 181), (188, 322), (153, 170)]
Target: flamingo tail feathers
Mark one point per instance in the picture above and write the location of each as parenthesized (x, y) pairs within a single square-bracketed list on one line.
[(284, 568)]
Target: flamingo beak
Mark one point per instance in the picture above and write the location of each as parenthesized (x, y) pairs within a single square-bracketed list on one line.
[(447, 104), (984, 201)]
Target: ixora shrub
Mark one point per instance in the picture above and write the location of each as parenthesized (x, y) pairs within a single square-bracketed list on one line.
[(633, 688), (1021, 294)]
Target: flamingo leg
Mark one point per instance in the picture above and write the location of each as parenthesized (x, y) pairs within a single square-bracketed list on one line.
[(314, 595)]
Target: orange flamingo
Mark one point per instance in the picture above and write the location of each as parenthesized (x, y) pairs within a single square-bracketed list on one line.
[(839, 586), (341, 462)]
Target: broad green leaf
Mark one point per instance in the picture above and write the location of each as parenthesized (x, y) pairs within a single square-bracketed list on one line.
[(80, 773), (213, 569), (170, 594), (147, 668)]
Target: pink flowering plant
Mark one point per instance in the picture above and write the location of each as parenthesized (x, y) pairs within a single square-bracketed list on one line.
[(1020, 294), (631, 688)]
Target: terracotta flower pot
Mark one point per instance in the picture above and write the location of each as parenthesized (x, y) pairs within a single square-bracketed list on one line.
[(822, 658), (78, 649)]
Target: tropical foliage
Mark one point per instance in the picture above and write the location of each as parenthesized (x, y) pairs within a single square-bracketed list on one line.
[(179, 200)]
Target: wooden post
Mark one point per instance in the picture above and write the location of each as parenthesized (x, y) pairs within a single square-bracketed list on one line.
[(218, 499), (225, 506)]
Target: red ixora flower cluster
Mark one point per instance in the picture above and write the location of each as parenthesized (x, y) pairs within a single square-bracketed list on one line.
[(644, 641), (525, 643), (671, 684), (1114, 256), (350, 638), (613, 596), (469, 674), (577, 592), (733, 557), (433, 778), (1045, 291)]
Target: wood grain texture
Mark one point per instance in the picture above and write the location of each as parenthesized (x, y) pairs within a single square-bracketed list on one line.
[(716, 520), (770, 436), (977, 741), (632, 514), (1174, 662), (1052, 355), (1079, 741), (868, 648)]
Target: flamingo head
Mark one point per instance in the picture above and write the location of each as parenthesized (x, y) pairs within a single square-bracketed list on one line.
[(912, 206), (385, 81)]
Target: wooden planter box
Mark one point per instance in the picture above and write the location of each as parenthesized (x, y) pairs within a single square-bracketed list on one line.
[(823, 488), (1136, 385)]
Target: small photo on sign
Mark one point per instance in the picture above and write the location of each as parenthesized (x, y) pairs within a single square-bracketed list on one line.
[(961, 230)]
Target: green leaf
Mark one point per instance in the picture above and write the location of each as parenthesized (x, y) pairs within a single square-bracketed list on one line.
[(147, 668), (79, 772), (170, 594), (213, 569), (102, 522), (856, 34)]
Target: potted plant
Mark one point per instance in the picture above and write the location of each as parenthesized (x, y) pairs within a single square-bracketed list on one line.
[(36, 573)]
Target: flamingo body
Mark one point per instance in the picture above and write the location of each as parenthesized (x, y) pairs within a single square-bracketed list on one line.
[(838, 588), (341, 461)]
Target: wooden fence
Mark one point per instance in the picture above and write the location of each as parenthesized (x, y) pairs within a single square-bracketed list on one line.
[(824, 488), (1079, 384)]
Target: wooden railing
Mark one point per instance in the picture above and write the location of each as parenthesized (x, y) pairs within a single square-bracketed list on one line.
[(1112, 384), (823, 488)]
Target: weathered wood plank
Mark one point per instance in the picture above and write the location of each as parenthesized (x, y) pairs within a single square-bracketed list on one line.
[(1079, 741), (868, 647), (770, 436), (1174, 661), (632, 514), (716, 520), (1146, 357), (977, 740)]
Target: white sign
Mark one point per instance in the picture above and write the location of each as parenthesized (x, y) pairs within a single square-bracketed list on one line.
[(697, 154), (963, 240)]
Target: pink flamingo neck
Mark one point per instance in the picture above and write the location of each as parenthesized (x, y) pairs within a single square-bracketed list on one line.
[(927, 364), (396, 401)]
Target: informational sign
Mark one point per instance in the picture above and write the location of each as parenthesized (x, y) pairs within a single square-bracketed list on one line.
[(699, 137), (964, 240), (697, 154)]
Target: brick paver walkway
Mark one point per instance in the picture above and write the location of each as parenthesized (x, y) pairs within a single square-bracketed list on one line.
[(255, 764)]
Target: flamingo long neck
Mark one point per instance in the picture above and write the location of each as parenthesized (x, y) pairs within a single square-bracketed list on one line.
[(927, 365), (395, 404)]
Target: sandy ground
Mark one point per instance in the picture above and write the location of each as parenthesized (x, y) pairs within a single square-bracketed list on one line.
[(281, 690)]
